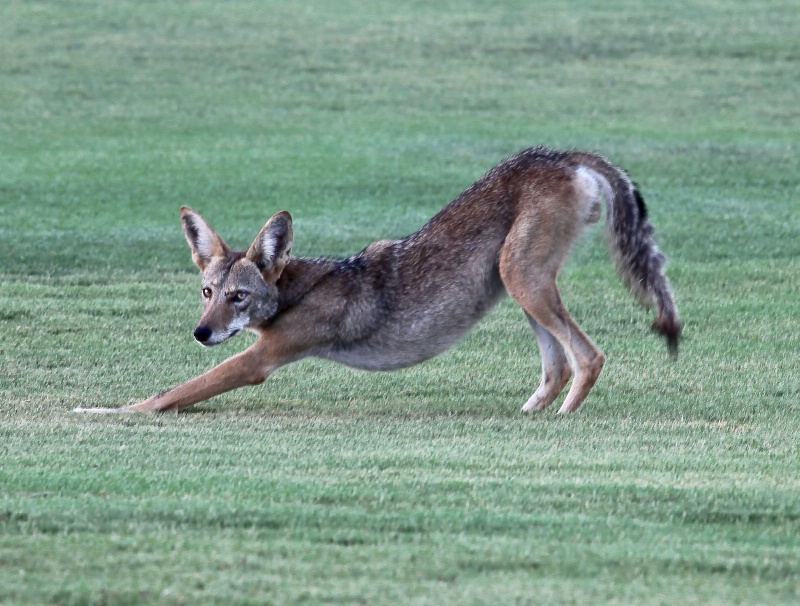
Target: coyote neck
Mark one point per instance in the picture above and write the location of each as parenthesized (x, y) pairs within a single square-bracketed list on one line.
[(300, 276)]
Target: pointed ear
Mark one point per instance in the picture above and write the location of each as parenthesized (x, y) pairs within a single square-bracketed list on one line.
[(273, 246), (203, 240)]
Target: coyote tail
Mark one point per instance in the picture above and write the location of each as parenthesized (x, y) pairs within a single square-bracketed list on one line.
[(638, 259)]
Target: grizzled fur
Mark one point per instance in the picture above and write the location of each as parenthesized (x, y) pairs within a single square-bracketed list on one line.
[(400, 302)]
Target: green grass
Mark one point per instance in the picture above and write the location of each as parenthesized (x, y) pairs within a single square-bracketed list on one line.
[(677, 482)]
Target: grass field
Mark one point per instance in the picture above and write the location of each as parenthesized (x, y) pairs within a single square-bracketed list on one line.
[(676, 483)]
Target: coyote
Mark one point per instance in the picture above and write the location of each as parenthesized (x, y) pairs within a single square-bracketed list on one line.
[(400, 302)]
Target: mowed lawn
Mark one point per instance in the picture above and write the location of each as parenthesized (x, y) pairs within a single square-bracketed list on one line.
[(678, 482)]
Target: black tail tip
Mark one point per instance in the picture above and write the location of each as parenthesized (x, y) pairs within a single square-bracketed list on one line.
[(670, 329)]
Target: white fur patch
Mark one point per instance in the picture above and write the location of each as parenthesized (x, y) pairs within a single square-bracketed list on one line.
[(268, 247), (235, 327), (205, 238), (588, 181), (597, 190)]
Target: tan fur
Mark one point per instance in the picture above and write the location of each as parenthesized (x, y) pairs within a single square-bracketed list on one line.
[(398, 303)]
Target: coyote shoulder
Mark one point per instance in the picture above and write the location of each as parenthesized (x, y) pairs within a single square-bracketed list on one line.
[(400, 302)]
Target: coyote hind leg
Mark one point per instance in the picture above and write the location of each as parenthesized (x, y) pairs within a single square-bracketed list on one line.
[(533, 286), (543, 302), (556, 371)]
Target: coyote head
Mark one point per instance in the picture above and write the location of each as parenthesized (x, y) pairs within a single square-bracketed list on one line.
[(238, 288)]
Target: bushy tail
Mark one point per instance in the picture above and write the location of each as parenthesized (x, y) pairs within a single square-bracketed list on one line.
[(639, 261)]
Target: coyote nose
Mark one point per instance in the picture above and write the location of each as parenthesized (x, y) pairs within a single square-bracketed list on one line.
[(202, 333)]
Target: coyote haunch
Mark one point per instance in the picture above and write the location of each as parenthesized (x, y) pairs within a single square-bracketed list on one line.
[(400, 302)]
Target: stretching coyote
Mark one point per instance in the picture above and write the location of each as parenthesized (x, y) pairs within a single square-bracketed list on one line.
[(398, 303)]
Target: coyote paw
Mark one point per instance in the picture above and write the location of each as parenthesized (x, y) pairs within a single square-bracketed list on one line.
[(535, 403)]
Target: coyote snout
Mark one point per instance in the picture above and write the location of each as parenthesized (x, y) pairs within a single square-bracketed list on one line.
[(398, 303), (206, 337)]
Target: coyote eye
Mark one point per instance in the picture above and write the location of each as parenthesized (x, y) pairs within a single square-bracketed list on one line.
[(206, 293), (240, 296)]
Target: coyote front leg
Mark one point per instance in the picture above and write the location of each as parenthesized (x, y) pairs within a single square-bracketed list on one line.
[(250, 367)]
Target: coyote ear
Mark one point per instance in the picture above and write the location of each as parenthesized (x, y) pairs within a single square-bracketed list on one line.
[(273, 246), (203, 240)]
